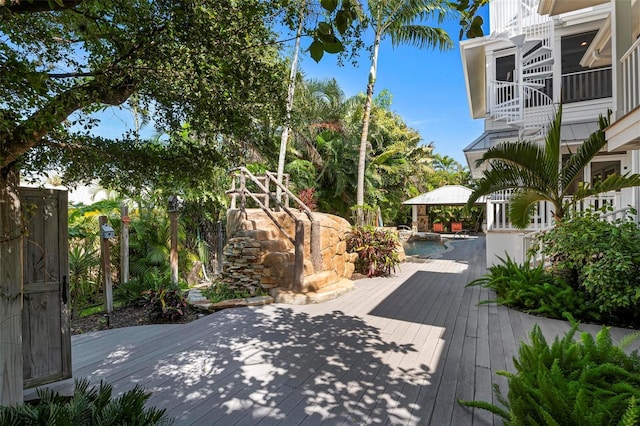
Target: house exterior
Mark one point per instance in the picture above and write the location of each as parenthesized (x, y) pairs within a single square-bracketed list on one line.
[(539, 53)]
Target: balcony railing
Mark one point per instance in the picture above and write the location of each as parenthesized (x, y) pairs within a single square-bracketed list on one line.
[(515, 17), (630, 63), (498, 211), (586, 85)]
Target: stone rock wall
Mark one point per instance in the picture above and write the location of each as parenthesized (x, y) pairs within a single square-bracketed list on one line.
[(259, 255)]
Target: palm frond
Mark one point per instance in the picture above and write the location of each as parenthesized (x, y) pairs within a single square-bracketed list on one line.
[(421, 36), (552, 141), (522, 207), (612, 183), (524, 155), (585, 153)]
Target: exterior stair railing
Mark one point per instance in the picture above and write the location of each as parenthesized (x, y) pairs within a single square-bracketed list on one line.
[(263, 197), (522, 106), (522, 103)]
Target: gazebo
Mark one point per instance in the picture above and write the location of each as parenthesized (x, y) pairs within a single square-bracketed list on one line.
[(447, 195)]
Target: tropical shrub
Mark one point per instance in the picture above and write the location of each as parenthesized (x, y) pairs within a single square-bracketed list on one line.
[(165, 304), (585, 382), (534, 290), (133, 291), (220, 291), (309, 198), (377, 250), (84, 268), (600, 258), (88, 406)]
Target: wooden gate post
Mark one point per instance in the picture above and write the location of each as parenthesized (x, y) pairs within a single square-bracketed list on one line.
[(11, 265), (316, 247), (173, 258), (298, 266), (173, 208), (124, 244), (106, 270)]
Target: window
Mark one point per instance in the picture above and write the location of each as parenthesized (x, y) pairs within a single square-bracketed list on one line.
[(505, 71), (580, 83)]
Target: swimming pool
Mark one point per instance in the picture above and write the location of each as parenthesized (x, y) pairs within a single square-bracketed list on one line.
[(424, 247)]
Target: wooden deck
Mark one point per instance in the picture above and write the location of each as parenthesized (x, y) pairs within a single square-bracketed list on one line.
[(397, 350)]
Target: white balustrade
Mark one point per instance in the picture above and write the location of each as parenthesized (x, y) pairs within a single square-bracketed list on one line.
[(630, 63)]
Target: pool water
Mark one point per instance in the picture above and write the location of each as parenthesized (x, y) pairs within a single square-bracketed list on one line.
[(423, 247)]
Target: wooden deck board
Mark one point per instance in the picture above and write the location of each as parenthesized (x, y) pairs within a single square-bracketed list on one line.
[(398, 350)]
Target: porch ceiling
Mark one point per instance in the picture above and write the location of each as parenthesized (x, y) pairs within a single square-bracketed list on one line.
[(557, 7)]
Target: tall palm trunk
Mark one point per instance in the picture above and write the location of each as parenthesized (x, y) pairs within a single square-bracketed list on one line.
[(290, 93), (365, 122)]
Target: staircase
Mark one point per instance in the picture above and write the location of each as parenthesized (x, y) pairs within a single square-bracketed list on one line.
[(523, 103)]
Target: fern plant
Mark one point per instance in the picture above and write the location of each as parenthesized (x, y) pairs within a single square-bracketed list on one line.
[(89, 406), (535, 290), (586, 382)]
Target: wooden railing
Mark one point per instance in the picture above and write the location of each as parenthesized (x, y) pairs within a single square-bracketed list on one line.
[(263, 197), (587, 85), (630, 63)]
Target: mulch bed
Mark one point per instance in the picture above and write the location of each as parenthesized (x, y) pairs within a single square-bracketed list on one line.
[(122, 317)]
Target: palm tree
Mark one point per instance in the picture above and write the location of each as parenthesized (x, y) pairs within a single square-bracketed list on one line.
[(401, 21), (536, 173), (284, 137)]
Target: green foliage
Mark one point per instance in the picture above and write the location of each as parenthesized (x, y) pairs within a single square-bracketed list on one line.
[(600, 258), (534, 290), (585, 382), (84, 263), (88, 406), (377, 250), (531, 172), (220, 291), (165, 304), (131, 292)]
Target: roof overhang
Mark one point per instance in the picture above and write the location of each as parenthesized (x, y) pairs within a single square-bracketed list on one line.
[(476, 149), (598, 53), (446, 195), (571, 134), (474, 70), (624, 133), (557, 7)]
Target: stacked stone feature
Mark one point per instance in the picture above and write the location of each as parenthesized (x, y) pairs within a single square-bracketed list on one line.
[(242, 266)]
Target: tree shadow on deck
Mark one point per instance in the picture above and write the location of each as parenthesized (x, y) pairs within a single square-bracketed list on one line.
[(423, 292), (272, 365)]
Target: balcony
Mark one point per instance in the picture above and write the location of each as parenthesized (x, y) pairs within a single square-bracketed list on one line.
[(587, 85), (630, 64), (624, 132)]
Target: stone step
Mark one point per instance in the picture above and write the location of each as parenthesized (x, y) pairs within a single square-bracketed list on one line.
[(319, 280), (328, 292)]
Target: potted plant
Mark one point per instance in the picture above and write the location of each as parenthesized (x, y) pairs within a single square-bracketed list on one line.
[(456, 219)]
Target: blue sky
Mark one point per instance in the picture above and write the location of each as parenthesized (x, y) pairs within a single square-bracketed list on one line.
[(427, 86)]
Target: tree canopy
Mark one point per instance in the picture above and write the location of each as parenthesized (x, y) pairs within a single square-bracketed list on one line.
[(211, 64)]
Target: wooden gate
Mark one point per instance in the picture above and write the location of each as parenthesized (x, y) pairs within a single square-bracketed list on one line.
[(46, 333)]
